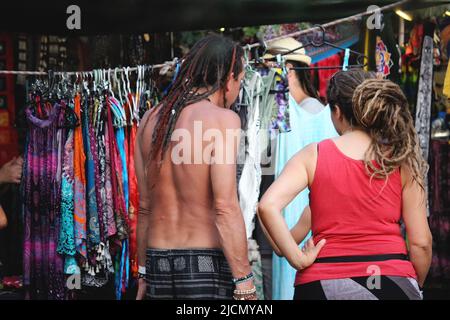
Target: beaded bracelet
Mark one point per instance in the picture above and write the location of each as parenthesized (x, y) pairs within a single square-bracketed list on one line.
[(244, 292), (243, 279), (248, 297), (141, 276)]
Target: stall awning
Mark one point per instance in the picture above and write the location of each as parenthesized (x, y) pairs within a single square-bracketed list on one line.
[(135, 16)]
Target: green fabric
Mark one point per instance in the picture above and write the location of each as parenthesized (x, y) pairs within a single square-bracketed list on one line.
[(268, 105)]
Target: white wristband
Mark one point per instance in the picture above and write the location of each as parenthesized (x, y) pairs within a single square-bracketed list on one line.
[(142, 270)]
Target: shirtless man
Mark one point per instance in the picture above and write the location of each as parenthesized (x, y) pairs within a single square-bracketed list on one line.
[(191, 234)]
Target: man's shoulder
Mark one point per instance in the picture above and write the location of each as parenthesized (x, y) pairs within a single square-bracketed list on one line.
[(221, 117)]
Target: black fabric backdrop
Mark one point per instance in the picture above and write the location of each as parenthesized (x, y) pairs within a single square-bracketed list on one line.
[(133, 16)]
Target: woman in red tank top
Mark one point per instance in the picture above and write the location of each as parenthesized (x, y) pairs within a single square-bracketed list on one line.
[(362, 185)]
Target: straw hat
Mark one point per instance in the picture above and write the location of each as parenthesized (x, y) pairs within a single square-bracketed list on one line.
[(285, 45)]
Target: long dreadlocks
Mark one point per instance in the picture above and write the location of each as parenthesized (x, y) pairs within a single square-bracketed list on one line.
[(208, 65)]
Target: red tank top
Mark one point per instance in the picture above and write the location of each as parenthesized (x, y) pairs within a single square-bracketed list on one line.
[(358, 216)]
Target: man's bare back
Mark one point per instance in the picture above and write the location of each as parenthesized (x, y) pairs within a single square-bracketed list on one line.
[(182, 206)]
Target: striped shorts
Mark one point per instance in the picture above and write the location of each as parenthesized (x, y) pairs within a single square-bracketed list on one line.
[(360, 288), (188, 274)]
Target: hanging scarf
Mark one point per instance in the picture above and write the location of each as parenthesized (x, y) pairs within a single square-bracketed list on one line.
[(134, 200), (119, 203), (424, 97), (80, 185), (93, 234)]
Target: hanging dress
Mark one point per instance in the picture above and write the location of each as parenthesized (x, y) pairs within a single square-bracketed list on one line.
[(43, 266), (66, 242)]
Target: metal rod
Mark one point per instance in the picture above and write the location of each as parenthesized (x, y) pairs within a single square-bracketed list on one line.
[(27, 73), (42, 73), (330, 24), (328, 67)]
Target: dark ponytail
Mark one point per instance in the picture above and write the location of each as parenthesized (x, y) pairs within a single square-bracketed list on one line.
[(304, 78), (341, 88)]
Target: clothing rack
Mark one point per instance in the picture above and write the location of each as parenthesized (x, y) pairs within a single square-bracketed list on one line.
[(247, 47), (121, 69)]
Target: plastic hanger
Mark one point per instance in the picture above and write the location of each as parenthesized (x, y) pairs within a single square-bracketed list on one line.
[(129, 93), (117, 82), (126, 87), (110, 87), (142, 91), (248, 67), (138, 93), (117, 108), (98, 75)]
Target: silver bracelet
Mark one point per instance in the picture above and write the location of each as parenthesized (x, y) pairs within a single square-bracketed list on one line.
[(142, 272)]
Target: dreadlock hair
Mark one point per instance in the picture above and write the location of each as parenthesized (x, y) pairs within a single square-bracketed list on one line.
[(304, 78), (341, 87), (208, 65), (381, 109)]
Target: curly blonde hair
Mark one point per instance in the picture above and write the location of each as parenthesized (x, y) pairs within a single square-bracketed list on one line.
[(381, 109)]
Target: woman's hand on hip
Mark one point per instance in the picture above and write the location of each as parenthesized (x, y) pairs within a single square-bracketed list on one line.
[(308, 254)]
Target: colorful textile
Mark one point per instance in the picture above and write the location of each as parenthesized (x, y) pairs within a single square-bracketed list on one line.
[(41, 185), (66, 241), (133, 208), (280, 115), (324, 75), (80, 185), (424, 99)]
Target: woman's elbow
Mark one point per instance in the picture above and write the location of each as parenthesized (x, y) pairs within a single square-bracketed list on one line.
[(259, 208), (278, 253), (424, 243), (264, 207)]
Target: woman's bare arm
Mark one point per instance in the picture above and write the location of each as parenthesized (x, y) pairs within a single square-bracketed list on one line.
[(417, 229), (303, 226), (296, 176), (298, 232)]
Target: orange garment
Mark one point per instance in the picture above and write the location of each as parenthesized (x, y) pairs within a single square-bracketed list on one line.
[(79, 161)]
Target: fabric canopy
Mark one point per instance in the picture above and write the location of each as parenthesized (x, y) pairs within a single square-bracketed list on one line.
[(136, 16)]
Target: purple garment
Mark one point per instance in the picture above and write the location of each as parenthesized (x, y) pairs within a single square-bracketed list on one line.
[(439, 184), (43, 267)]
